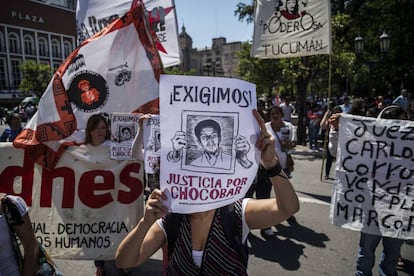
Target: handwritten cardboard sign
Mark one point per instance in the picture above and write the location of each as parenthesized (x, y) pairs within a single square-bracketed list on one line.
[(374, 190)]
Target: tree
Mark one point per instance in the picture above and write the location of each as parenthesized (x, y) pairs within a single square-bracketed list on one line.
[(36, 77)]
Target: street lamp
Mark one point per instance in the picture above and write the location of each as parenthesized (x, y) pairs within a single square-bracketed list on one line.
[(359, 45), (385, 41)]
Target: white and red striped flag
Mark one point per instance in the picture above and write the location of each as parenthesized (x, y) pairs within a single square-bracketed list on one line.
[(116, 70)]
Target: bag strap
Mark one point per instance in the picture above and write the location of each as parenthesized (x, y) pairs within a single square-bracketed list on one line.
[(233, 231), (172, 228)]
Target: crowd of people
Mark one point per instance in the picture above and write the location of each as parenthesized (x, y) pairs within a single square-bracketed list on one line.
[(193, 253)]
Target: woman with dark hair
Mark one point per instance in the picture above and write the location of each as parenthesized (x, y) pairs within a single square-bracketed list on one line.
[(97, 130)]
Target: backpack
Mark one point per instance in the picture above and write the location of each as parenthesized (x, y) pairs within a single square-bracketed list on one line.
[(231, 231)]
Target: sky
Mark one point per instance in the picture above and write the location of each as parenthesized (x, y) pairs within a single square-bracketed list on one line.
[(207, 19)]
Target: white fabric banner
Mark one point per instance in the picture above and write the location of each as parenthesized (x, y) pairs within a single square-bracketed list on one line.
[(117, 71), (374, 177), (291, 28), (94, 15), (152, 143), (208, 153), (82, 208)]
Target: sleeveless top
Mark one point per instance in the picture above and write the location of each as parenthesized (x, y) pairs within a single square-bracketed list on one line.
[(219, 257)]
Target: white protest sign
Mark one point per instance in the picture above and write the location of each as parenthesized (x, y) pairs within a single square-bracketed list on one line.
[(208, 154), (374, 190), (152, 143), (124, 127), (291, 28)]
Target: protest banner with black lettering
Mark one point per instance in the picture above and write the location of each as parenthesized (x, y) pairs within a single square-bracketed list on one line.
[(291, 29), (374, 189), (208, 154), (82, 208), (152, 143), (124, 128)]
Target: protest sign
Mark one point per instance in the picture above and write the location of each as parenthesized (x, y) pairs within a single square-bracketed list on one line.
[(374, 189), (152, 143), (124, 127), (291, 28), (208, 154), (82, 208)]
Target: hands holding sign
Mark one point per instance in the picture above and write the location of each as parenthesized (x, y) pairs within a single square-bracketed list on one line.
[(148, 236)]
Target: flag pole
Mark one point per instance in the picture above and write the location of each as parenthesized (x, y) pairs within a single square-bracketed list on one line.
[(325, 139)]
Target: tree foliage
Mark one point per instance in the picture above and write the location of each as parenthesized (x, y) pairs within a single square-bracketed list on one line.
[(343, 70), (36, 77)]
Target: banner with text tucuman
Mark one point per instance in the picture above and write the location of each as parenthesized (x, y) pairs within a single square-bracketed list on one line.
[(374, 190), (82, 208), (208, 153), (291, 28)]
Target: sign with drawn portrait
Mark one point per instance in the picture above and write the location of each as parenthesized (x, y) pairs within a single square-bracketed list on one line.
[(152, 143), (291, 28), (208, 159), (124, 127), (374, 177)]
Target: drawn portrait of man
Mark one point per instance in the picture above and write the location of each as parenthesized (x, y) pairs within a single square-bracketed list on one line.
[(210, 144), (208, 133)]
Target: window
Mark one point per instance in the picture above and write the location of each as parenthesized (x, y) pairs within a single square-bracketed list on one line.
[(67, 48), (66, 4), (2, 44), (16, 75), (43, 49), (55, 48), (28, 45), (14, 43), (3, 79)]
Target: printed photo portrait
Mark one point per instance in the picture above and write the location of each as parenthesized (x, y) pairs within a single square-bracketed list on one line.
[(126, 133)]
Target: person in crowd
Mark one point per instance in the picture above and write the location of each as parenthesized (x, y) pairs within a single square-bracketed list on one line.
[(285, 140), (18, 222), (346, 105), (325, 125), (369, 242), (358, 107), (288, 109), (411, 111), (261, 108), (315, 116), (10, 133), (201, 246), (97, 133), (379, 102), (402, 100)]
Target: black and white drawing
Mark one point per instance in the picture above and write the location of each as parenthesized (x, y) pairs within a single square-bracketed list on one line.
[(209, 142)]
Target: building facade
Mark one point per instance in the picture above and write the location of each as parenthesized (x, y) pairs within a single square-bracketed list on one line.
[(39, 30), (220, 60)]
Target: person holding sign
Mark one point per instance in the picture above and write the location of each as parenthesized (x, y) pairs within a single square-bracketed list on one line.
[(369, 242), (201, 241)]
